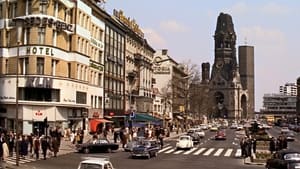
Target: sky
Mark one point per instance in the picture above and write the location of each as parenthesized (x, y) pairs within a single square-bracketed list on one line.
[(186, 29)]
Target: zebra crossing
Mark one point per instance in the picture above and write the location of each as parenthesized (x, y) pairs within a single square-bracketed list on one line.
[(204, 151), (26, 159)]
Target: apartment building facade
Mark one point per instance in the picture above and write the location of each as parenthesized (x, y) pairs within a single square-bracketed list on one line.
[(52, 53)]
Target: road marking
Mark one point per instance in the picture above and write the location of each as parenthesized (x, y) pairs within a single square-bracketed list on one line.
[(220, 150), (209, 151), (228, 152), (164, 149), (238, 153), (199, 151), (170, 151), (191, 150), (178, 152)]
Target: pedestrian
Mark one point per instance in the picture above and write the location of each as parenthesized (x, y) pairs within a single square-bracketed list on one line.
[(272, 145), (116, 135), (23, 147), (45, 146), (254, 145), (36, 147), (55, 146), (11, 144), (161, 140), (243, 147)]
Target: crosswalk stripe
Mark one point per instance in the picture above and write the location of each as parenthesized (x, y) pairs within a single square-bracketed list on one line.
[(191, 150), (170, 151), (164, 149), (238, 153), (209, 151), (199, 151), (218, 152), (178, 151), (228, 152)]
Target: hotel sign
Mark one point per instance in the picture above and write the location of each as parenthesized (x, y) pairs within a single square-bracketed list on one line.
[(39, 51), (128, 22), (42, 21), (161, 70)]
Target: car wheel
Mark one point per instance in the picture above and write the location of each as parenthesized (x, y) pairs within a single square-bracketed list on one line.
[(149, 156), (109, 150), (86, 150), (155, 154)]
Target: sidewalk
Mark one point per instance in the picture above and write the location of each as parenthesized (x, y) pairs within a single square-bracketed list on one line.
[(249, 162)]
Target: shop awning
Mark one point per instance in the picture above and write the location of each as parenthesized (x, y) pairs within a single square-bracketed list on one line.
[(144, 118), (95, 122)]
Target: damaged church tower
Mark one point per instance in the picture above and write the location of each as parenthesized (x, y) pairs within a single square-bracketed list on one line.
[(231, 83)]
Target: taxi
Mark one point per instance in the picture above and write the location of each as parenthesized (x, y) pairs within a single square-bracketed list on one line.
[(95, 163)]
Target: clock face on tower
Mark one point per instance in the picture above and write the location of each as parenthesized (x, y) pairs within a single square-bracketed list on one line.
[(157, 60), (219, 64)]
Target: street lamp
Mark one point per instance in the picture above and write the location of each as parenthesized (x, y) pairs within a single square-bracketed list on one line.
[(19, 33)]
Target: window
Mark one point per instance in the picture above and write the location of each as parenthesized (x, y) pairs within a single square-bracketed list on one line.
[(100, 56), (99, 80), (92, 99), (69, 70), (1, 11), (99, 102), (28, 7), (12, 10), (42, 32), (27, 34), (53, 67), (78, 71), (40, 66), (43, 8), (8, 38), (54, 35), (6, 66), (81, 97), (24, 65)]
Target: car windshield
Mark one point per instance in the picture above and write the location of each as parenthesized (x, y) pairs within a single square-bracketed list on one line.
[(90, 166), (292, 156), (183, 138), (102, 141)]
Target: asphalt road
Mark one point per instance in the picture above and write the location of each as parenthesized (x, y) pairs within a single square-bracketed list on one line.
[(208, 154)]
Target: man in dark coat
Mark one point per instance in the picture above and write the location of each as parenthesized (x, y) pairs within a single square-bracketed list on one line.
[(272, 146), (45, 146)]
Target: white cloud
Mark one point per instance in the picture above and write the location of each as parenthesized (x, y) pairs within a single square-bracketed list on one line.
[(237, 9), (154, 38), (173, 26), (275, 9)]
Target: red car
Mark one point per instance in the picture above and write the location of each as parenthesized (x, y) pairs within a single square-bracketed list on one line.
[(220, 135)]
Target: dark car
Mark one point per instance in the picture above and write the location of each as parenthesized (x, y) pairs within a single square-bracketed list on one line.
[(135, 142), (290, 136), (148, 148), (284, 159), (96, 146), (195, 136)]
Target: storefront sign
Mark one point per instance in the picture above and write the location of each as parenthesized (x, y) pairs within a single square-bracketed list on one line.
[(96, 43), (98, 67), (38, 113), (42, 21), (39, 51), (7, 98), (161, 70), (128, 22)]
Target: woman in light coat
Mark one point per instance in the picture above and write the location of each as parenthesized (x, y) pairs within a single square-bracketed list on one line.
[(5, 151)]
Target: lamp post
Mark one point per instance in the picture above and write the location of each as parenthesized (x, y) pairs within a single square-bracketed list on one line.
[(19, 30)]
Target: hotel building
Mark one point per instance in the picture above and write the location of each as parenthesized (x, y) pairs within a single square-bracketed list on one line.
[(52, 63)]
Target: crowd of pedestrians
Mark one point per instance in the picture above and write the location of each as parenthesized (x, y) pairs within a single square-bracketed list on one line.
[(248, 146), (29, 146), (278, 144)]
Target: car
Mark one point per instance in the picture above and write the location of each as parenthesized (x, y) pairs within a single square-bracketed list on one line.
[(95, 163), (135, 142), (194, 134), (233, 126), (240, 127), (185, 142), (284, 159), (204, 126), (214, 128), (96, 146), (290, 136), (147, 148), (201, 133), (284, 130), (220, 135)]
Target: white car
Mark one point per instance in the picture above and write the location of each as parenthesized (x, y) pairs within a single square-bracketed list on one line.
[(95, 163), (201, 133), (185, 142)]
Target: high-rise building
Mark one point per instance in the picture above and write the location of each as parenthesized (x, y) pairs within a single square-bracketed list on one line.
[(288, 89)]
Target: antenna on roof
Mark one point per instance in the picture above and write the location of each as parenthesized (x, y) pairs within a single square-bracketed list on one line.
[(246, 42)]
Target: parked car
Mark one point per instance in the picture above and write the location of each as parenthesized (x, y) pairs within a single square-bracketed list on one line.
[(148, 148), (185, 142), (95, 163), (99, 145), (135, 142), (220, 135), (284, 159)]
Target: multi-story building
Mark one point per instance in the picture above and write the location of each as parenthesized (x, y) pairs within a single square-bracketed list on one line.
[(288, 89), (138, 70), (52, 63), (114, 83), (172, 84), (278, 106)]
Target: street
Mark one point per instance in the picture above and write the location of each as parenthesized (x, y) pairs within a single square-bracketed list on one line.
[(208, 154)]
